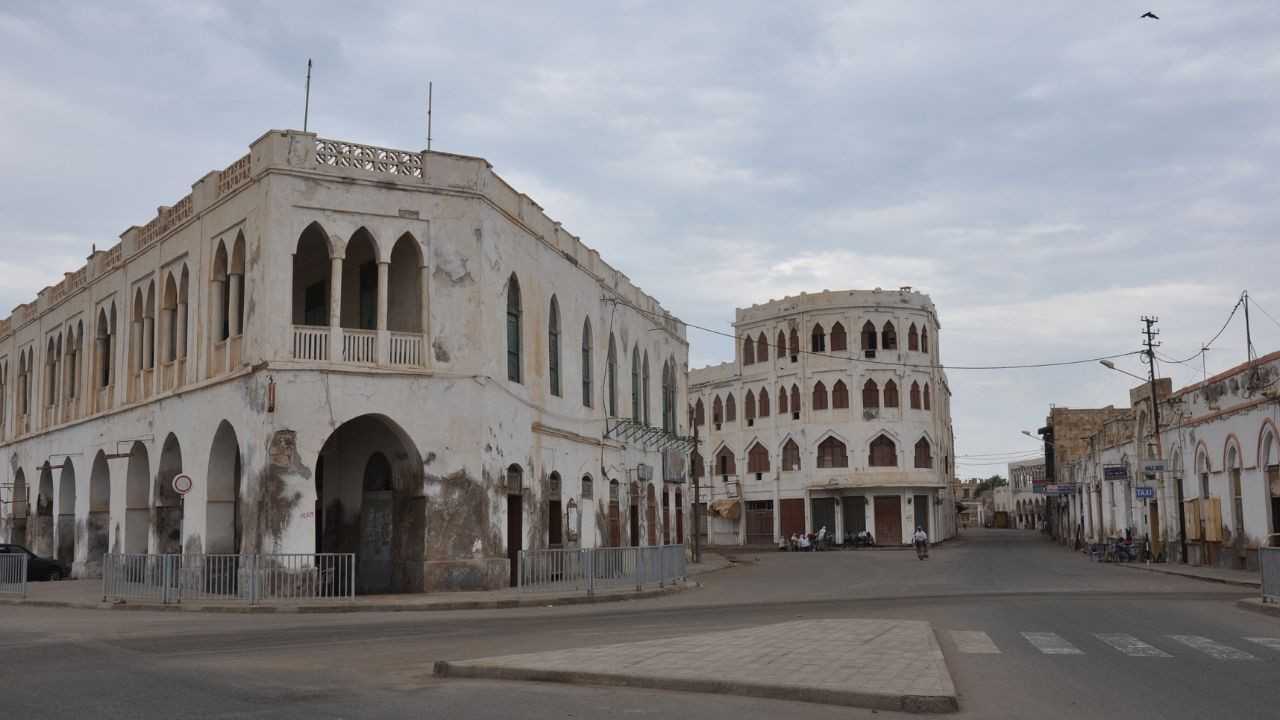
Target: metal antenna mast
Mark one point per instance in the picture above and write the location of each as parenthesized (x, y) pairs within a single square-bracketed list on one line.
[(429, 84), (306, 107)]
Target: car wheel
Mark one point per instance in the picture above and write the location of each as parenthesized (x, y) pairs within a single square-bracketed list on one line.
[(54, 575)]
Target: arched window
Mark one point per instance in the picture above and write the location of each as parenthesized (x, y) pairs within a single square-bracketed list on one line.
[(105, 336), (889, 336), (913, 338), (635, 383), (780, 350), (762, 349), (730, 409), (669, 396), (915, 395), (926, 396), (611, 376), (839, 341), (553, 346), (587, 490), (883, 452), (404, 286), (764, 402), (790, 456), (890, 394), (724, 462), (758, 459), (312, 266), (699, 413), (819, 396), (514, 346), (869, 338), (924, 339), (644, 387), (924, 459), (795, 401), (794, 345), (749, 408), (748, 351), (586, 362), (832, 454), (870, 395), (717, 411), (782, 400), (840, 396), (818, 338), (515, 479)]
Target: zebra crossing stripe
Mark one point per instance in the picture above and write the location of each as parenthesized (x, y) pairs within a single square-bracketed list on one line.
[(1273, 643), (974, 641), (1130, 645), (1213, 649), (1051, 644)]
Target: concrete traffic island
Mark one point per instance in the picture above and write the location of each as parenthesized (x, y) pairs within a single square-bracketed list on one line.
[(876, 664)]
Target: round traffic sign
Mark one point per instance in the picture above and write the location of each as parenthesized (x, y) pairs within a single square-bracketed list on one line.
[(182, 484)]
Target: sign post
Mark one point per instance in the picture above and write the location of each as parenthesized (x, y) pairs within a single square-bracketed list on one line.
[(182, 485)]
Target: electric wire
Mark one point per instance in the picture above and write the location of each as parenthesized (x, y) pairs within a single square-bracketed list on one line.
[(1205, 346)]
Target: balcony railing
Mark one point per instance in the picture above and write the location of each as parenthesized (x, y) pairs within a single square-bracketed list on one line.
[(218, 358), (310, 342), (405, 349), (360, 346)]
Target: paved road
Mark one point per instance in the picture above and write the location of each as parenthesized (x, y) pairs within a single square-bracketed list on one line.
[(1028, 630)]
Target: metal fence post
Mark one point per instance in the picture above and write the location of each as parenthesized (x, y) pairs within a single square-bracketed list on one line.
[(591, 571), (519, 573), (106, 569), (254, 569), (165, 578), (636, 565)]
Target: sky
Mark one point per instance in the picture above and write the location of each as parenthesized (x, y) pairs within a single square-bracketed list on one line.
[(1047, 172)]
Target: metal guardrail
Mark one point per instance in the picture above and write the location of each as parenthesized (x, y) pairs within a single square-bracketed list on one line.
[(13, 574), (591, 569), (243, 578), (1269, 568)]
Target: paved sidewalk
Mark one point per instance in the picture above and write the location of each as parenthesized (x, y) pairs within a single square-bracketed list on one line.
[(878, 664), (1243, 578), (87, 594)]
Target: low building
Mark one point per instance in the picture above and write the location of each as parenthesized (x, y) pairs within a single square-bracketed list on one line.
[(1025, 505), (350, 349), (835, 414)]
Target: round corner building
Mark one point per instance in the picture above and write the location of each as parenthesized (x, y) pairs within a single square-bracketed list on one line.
[(835, 414)]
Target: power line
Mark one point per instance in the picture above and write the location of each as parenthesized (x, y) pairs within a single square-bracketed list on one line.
[(1264, 312), (851, 356), (1222, 329)]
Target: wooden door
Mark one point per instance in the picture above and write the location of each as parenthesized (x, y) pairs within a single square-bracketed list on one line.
[(666, 517), (822, 513), (855, 514), (791, 516), (615, 524), (921, 503), (651, 515), (555, 525), (635, 525), (515, 535), (888, 519), (760, 522)]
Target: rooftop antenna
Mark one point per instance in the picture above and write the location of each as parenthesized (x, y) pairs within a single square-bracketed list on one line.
[(429, 84), (306, 107)]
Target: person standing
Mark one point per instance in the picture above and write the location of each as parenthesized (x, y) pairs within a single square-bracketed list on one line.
[(921, 540)]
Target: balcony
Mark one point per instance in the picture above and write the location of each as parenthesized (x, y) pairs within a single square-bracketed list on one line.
[(368, 347)]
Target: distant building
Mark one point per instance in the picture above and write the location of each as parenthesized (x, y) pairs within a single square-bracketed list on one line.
[(835, 414)]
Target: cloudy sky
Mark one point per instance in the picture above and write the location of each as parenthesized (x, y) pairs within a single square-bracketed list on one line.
[(1046, 171)]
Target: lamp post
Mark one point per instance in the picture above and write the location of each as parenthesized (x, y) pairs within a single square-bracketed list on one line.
[(1155, 426)]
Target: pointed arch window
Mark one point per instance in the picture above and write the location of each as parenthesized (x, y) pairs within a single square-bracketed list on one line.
[(840, 396), (924, 339), (889, 336), (926, 396), (748, 351), (780, 349), (915, 395), (514, 339), (819, 396), (758, 459), (717, 411), (790, 456), (884, 453), (913, 338), (730, 409), (870, 395), (795, 345), (839, 340), (762, 349), (818, 338), (890, 394), (553, 346), (724, 462), (782, 400), (669, 396), (924, 456), (635, 382), (611, 376), (644, 387), (869, 338), (795, 401), (764, 402), (699, 413), (586, 362), (749, 408), (832, 454)]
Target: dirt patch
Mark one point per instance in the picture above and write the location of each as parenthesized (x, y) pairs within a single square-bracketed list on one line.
[(269, 512)]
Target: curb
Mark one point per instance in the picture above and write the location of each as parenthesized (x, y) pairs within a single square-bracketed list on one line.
[(320, 609), (1221, 581), (847, 698), (1256, 605)]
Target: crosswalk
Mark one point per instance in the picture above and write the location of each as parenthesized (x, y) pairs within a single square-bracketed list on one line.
[(977, 642)]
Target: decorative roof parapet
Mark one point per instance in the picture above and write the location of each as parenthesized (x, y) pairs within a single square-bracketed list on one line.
[(234, 175), (370, 158)]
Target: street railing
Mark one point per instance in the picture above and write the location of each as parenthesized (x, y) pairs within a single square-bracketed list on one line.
[(13, 574), (591, 569), (1269, 568), (240, 578)]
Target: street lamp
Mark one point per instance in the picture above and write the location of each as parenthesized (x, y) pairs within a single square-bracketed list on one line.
[(1112, 366)]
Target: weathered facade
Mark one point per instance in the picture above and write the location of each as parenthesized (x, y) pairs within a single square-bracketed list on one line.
[(1019, 498), (348, 349), (1219, 441), (835, 414)]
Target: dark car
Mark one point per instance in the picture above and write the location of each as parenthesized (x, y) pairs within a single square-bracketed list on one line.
[(38, 568)]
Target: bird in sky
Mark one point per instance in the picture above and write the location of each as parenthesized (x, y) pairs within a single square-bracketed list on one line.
[(1149, 14)]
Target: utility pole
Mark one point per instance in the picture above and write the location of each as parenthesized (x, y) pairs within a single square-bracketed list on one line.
[(1151, 344), (697, 495)]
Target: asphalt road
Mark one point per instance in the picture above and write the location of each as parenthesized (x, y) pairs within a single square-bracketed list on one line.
[(1059, 638)]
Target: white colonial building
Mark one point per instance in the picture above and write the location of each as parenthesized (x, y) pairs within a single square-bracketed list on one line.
[(1020, 500), (836, 414), (347, 348)]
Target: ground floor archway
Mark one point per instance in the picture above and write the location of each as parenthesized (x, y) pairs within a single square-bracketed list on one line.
[(99, 519), (166, 511), (223, 527), (65, 531)]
